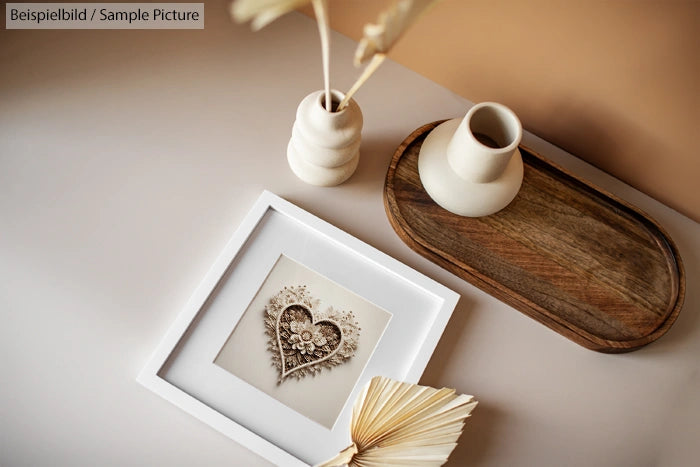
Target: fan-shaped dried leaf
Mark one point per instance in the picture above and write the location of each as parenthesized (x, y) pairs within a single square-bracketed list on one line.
[(263, 12), (401, 424), (391, 24)]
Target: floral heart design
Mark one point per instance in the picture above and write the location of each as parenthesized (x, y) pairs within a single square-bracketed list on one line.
[(304, 340)]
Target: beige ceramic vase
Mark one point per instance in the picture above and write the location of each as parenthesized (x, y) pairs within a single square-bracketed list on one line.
[(324, 148), (472, 166)]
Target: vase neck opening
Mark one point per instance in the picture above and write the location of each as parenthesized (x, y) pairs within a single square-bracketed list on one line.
[(495, 127), (336, 98)]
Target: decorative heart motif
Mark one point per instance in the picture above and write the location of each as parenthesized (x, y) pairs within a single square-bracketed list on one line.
[(304, 340)]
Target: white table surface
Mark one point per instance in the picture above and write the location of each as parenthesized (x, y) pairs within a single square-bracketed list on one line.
[(128, 158)]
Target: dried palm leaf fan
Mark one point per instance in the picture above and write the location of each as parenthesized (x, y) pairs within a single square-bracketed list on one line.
[(401, 424), (263, 12), (378, 38)]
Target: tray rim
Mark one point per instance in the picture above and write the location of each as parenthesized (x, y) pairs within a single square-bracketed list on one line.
[(514, 299)]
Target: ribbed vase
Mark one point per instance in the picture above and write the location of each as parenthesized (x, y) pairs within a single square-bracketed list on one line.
[(324, 149)]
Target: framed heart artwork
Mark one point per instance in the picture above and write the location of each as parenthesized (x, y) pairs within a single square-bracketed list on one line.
[(290, 322)]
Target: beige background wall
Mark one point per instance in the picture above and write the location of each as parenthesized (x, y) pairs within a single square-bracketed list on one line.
[(613, 82)]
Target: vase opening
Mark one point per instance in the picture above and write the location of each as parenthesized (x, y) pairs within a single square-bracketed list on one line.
[(495, 127), (336, 98)]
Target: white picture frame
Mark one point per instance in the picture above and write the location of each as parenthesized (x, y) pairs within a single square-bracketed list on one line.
[(182, 368)]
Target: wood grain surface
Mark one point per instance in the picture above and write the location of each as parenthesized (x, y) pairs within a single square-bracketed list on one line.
[(581, 261)]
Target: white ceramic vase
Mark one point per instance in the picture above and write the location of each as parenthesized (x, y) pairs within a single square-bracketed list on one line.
[(472, 166), (324, 148)]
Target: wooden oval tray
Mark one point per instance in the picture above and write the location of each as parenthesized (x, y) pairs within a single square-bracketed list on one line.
[(580, 261)]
